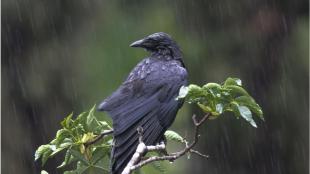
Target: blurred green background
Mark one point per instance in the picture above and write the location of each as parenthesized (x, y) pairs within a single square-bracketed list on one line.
[(60, 56)]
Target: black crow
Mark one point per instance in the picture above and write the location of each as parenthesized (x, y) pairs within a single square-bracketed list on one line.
[(147, 98)]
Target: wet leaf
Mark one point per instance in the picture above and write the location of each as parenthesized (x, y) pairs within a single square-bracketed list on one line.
[(88, 136), (183, 92), (231, 96), (232, 81), (194, 91), (251, 104), (91, 116), (247, 115), (212, 85), (171, 135), (95, 169), (205, 108), (66, 122), (79, 156), (104, 124), (82, 148), (81, 119), (237, 90), (99, 153), (57, 150), (41, 150), (159, 166), (219, 108), (45, 156), (67, 160), (44, 172)]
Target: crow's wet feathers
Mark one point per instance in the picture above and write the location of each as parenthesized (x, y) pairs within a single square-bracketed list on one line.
[(147, 98)]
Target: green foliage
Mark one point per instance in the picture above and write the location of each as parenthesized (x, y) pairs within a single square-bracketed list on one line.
[(73, 137), (173, 136), (157, 165), (218, 98), (44, 172)]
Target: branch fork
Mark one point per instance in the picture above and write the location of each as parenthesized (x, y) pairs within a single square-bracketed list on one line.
[(137, 161)]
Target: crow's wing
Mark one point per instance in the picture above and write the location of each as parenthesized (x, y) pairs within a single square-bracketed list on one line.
[(147, 86), (146, 99)]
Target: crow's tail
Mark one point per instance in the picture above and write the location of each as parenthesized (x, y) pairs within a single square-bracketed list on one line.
[(125, 144)]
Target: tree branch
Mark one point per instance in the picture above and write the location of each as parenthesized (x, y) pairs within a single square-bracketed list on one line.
[(137, 161)]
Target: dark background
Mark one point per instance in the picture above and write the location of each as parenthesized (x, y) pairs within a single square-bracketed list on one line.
[(60, 56)]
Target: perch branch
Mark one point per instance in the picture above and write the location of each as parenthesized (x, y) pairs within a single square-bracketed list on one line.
[(137, 161)]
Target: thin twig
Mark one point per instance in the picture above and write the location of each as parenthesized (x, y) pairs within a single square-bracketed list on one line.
[(99, 137), (199, 153)]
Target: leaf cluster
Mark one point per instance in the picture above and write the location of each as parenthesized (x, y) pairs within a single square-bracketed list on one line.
[(72, 139), (216, 99)]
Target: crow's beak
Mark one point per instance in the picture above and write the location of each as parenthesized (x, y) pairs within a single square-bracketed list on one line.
[(138, 43)]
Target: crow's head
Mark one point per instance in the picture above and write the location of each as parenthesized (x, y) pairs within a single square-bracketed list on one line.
[(157, 42)]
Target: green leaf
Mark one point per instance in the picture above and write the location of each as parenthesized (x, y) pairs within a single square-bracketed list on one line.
[(233, 81), (219, 108), (82, 148), (194, 91), (247, 115), (79, 156), (57, 150), (158, 165), (99, 153), (70, 172), (79, 130), (44, 172), (62, 133), (171, 135), (60, 136), (67, 142), (237, 90), (46, 155), (212, 85), (183, 92), (81, 167), (95, 169), (194, 88), (234, 107), (44, 152), (251, 104), (66, 122), (104, 124), (67, 160), (91, 116), (40, 151), (88, 136), (204, 108), (81, 119)]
